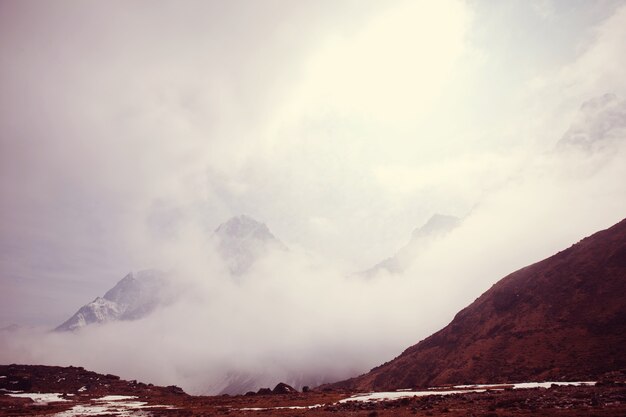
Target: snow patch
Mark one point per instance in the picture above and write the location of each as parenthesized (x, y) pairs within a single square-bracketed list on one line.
[(118, 405), (86, 410), (292, 407), (548, 384), (394, 395), (526, 385), (457, 389), (116, 398)]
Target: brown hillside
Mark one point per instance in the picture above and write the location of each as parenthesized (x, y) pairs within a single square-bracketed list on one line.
[(563, 318)]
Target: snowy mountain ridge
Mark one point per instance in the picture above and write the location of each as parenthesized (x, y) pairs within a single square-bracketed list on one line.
[(240, 242), (133, 297)]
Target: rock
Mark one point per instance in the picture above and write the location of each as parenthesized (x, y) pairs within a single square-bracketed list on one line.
[(175, 390), (283, 388)]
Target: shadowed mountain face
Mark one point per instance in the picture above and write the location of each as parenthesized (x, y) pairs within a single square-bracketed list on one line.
[(561, 318)]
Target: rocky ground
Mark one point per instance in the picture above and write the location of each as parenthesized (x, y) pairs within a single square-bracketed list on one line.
[(83, 392)]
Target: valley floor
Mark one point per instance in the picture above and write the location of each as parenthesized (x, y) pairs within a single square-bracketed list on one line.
[(71, 392), (563, 401)]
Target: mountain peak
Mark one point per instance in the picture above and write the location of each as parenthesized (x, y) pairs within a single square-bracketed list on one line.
[(242, 240), (242, 227)]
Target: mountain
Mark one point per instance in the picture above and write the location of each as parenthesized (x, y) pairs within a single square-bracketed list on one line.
[(133, 297), (242, 240), (599, 124), (563, 318), (436, 227)]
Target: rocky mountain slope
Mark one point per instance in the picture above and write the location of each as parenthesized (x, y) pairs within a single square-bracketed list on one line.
[(561, 318)]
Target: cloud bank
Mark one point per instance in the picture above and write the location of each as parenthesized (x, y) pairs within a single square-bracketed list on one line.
[(297, 318)]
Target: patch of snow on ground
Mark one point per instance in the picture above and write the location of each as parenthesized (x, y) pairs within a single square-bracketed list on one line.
[(408, 393), (117, 405), (40, 398), (292, 407), (457, 389), (524, 385), (470, 386), (115, 398), (548, 384), (394, 395), (81, 389), (84, 410)]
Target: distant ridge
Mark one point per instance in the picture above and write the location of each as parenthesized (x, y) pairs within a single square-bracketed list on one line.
[(437, 226), (563, 318)]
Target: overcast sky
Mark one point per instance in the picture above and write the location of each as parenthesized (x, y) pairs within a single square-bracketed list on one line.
[(342, 125)]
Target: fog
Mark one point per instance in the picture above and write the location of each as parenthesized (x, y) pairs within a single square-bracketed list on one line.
[(130, 132)]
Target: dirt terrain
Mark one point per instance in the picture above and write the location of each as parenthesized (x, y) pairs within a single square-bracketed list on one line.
[(81, 389)]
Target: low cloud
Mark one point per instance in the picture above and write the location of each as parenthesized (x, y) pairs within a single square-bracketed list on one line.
[(297, 318)]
